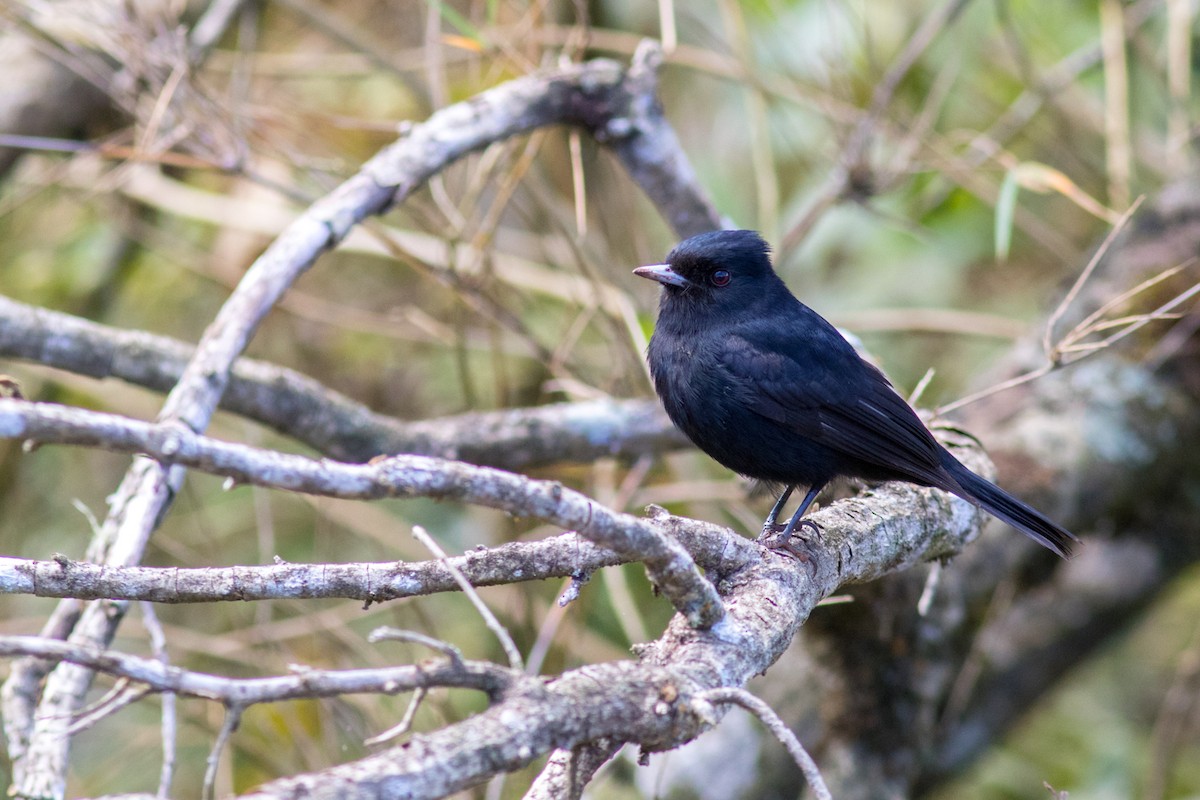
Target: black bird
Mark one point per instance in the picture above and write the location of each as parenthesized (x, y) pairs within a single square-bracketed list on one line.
[(771, 390)]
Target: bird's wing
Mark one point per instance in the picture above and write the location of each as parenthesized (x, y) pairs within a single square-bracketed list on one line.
[(853, 410)]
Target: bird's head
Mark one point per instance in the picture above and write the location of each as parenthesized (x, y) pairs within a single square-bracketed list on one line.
[(723, 268)]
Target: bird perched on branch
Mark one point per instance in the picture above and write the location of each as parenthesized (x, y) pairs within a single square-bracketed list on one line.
[(771, 390)]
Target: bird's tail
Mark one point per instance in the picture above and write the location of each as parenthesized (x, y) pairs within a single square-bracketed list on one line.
[(1003, 506)]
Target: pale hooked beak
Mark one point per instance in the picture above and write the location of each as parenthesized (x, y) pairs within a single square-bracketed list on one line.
[(663, 274)]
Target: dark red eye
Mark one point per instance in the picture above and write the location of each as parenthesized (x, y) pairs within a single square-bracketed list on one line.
[(720, 277)]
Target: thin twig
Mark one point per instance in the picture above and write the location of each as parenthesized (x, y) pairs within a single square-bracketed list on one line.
[(170, 724), (399, 635), (121, 695), (303, 684), (556, 612), (914, 397), (1139, 321), (401, 727), (929, 590), (1057, 352), (506, 641), (1073, 292), (566, 555), (233, 717), (1002, 386), (779, 728), (1092, 320)]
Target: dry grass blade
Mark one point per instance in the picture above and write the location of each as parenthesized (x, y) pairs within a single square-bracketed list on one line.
[(666, 26), (578, 183), (1118, 155), (1094, 319), (1071, 341), (1072, 347), (1135, 323), (1073, 292), (1180, 16)]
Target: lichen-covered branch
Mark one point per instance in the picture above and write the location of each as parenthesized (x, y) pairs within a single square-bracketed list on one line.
[(481, 675), (659, 702), (561, 556), (669, 565)]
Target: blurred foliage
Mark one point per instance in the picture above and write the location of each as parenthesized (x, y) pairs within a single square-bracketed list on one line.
[(765, 96)]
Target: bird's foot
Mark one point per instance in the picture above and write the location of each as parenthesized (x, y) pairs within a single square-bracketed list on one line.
[(791, 542), (771, 528)]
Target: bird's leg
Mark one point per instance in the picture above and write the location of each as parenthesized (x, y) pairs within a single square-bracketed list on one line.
[(796, 520), (772, 518)]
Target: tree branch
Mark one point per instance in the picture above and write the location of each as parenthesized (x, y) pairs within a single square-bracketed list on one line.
[(333, 424), (589, 95), (659, 701), (669, 565), (565, 555), (483, 676), (660, 704)]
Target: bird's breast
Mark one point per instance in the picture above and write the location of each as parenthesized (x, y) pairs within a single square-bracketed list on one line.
[(699, 396), (710, 399)]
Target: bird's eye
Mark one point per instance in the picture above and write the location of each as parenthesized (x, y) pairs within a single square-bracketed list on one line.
[(720, 277)]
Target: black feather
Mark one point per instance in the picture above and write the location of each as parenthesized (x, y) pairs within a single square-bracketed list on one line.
[(770, 389)]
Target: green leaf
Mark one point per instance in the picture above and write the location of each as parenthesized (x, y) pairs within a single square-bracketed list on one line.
[(1006, 206)]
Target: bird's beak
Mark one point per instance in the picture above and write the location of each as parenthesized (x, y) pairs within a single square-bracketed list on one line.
[(663, 274)]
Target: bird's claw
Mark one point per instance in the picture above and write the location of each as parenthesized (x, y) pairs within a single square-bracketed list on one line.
[(779, 538)]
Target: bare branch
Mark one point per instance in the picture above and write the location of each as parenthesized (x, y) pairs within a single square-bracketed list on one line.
[(561, 556), (243, 692), (649, 702), (233, 718), (401, 727), (333, 424), (670, 566), (419, 476), (658, 702), (170, 724), (398, 635), (369, 582)]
